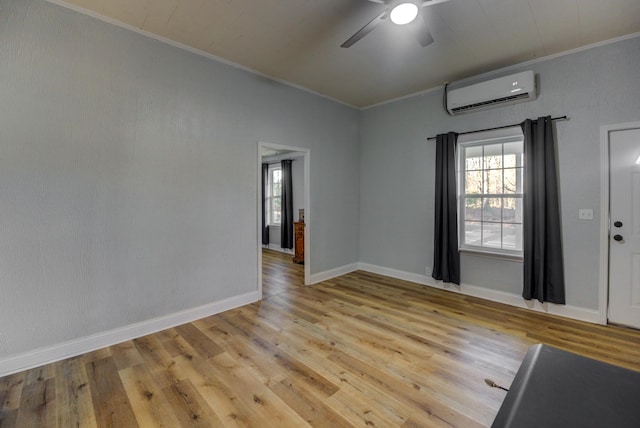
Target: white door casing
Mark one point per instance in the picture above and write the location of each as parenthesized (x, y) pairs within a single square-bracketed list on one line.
[(624, 226), (307, 209)]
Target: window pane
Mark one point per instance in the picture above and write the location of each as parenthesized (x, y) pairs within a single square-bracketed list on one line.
[(512, 237), (473, 209), (493, 156), (473, 183), (513, 180), (473, 158), (491, 209), (275, 188), (493, 174), (513, 154), (472, 233), (493, 182), (491, 235), (275, 210), (276, 182), (512, 210)]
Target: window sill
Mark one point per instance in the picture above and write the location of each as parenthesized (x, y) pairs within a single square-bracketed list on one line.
[(499, 256)]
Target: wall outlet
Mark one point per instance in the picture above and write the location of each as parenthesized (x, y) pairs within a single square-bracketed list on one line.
[(585, 214), (427, 271)]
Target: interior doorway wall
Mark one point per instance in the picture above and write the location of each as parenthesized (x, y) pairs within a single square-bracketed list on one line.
[(608, 138), (278, 148)]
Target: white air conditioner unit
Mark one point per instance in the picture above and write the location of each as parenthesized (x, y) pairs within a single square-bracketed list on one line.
[(516, 88)]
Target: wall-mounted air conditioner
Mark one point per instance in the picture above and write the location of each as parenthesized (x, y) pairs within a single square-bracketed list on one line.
[(516, 88)]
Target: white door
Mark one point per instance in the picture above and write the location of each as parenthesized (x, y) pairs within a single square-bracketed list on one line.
[(624, 238)]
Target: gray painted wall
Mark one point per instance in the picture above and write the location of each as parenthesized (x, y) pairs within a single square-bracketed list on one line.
[(128, 179), (593, 87), (297, 173)]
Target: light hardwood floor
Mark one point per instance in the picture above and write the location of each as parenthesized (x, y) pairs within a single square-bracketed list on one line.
[(279, 273), (358, 350)]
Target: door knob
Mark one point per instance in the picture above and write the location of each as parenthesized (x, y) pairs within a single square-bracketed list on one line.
[(618, 224), (617, 237)]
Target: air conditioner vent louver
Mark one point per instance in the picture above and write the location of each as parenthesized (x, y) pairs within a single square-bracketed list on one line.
[(484, 104), (516, 88)]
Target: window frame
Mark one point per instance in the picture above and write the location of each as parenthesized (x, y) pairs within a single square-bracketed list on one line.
[(270, 195), (487, 138)]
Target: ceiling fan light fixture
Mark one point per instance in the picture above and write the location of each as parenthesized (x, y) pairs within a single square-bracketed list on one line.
[(404, 13)]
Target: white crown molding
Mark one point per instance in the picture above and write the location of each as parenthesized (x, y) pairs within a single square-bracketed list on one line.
[(509, 68), (179, 45), (61, 351), (173, 43)]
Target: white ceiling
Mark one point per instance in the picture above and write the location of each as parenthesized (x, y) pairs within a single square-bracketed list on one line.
[(298, 41)]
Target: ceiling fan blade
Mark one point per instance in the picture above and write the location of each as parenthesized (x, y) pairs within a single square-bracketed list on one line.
[(420, 30), (365, 30)]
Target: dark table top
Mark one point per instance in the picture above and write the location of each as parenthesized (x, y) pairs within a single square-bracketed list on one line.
[(555, 388)]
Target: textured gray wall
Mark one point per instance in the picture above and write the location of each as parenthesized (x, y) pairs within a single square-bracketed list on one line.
[(297, 172), (593, 87), (128, 176)]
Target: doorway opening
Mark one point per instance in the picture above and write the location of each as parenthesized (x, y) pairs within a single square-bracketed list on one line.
[(272, 154)]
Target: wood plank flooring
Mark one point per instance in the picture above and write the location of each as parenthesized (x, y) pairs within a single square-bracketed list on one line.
[(358, 350), (275, 278)]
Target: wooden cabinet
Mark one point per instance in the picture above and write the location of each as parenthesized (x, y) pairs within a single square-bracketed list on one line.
[(298, 241)]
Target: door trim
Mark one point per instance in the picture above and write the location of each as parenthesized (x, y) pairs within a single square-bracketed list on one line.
[(605, 132), (307, 210)]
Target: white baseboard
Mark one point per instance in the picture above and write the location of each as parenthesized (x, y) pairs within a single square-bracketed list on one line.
[(567, 311), (86, 344), (398, 274), (277, 247), (90, 343), (332, 273)]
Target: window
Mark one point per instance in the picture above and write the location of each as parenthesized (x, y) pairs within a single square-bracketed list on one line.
[(490, 168), (274, 195)]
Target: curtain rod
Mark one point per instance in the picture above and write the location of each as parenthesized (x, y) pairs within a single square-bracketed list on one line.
[(498, 127)]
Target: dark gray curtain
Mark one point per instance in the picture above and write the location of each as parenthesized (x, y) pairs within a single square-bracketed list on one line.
[(542, 239), (286, 226), (446, 257), (265, 181)]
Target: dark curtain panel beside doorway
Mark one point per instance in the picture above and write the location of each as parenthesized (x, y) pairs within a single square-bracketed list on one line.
[(286, 226), (265, 181), (542, 238), (446, 257)]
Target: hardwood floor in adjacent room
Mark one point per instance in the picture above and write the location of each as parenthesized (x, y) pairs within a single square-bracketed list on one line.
[(279, 273), (358, 350)]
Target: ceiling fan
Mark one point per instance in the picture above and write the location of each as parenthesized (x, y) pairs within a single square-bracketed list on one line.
[(400, 12)]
